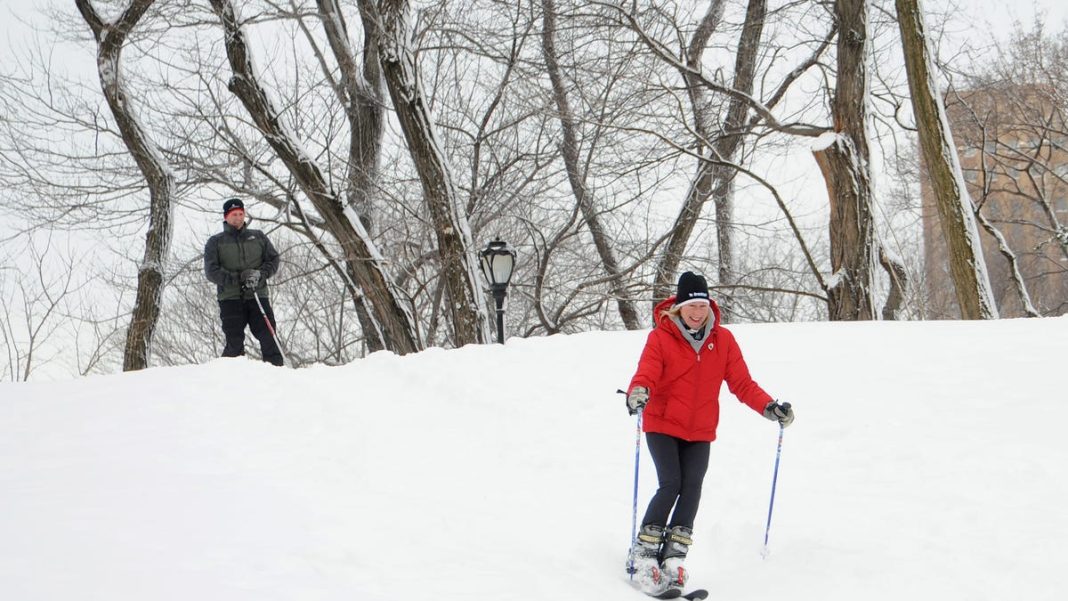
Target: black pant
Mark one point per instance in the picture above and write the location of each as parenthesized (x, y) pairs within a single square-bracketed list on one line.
[(680, 468), (235, 315)]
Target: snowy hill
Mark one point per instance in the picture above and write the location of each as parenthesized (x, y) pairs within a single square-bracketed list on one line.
[(927, 462)]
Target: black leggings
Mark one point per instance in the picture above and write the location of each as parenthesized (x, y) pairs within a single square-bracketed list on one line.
[(680, 469)]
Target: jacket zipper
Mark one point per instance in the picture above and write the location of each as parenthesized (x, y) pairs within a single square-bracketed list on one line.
[(244, 259), (696, 392)]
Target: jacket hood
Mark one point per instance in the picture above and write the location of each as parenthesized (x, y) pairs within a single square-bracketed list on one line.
[(660, 320)]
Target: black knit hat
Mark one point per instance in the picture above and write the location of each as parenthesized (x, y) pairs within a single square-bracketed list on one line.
[(231, 204), (692, 289)]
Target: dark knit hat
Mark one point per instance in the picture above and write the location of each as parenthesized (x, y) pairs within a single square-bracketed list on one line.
[(231, 204), (692, 289)]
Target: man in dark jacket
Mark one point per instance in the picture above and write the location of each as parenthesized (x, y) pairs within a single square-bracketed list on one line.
[(239, 260)]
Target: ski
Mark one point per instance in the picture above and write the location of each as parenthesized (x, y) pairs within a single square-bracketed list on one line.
[(671, 592), (674, 593)]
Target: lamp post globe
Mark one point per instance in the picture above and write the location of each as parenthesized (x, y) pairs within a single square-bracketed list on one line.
[(498, 262)]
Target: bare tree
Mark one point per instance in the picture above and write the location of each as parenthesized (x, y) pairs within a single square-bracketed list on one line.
[(725, 118), (724, 135), (598, 152), (845, 161), (111, 37), (466, 305), (360, 93), (570, 151), (392, 326), (714, 180), (34, 293), (955, 210), (1007, 111)]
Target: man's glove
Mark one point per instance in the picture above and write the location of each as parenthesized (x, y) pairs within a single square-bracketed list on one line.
[(636, 400), (779, 412), (250, 279)]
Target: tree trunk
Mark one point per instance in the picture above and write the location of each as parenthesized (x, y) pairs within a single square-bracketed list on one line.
[(899, 280), (844, 160), (627, 311), (361, 94), (728, 145), (955, 209), (1014, 266), (467, 307), (392, 326), (157, 172), (361, 91)]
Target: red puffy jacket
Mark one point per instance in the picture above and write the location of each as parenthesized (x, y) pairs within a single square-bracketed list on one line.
[(684, 385)]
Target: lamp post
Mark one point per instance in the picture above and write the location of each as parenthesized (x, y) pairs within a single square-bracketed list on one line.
[(498, 261)]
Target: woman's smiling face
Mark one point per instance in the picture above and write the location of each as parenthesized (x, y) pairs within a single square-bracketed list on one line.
[(694, 314)]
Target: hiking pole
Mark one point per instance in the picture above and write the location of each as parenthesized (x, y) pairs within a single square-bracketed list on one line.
[(634, 512), (774, 480), (270, 329)]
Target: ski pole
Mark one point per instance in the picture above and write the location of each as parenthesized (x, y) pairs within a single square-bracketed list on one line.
[(270, 328), (634, 511), (774, 482)]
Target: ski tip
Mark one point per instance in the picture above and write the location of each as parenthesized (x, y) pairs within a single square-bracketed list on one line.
[(696, 595), (671, 593)]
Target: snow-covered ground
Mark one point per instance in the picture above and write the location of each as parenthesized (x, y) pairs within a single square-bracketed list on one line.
[(927, 461)]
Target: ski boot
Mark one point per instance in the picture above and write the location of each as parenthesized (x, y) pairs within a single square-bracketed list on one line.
[(644, 561), (677, 543)]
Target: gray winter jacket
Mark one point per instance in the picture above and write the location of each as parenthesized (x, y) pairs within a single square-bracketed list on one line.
[(232, 251)]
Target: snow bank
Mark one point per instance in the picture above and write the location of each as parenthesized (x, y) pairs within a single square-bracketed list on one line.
[(926, 462)]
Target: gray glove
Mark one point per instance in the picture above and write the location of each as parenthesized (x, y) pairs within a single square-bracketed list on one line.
[(250, 278), (779, 412), (636, 399)]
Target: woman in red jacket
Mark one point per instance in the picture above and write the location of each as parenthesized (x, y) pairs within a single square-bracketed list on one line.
[(686, 359)]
